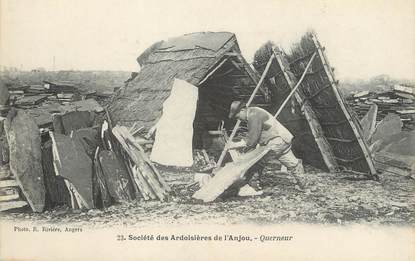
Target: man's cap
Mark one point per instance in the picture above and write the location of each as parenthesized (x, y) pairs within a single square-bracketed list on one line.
[(236, 107)]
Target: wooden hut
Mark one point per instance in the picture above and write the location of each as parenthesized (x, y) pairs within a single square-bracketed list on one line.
[(211, 61)]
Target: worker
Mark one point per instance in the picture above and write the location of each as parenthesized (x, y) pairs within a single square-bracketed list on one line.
[(265, 130)]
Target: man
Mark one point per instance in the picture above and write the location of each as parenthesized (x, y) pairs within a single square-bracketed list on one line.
[(265, 130)]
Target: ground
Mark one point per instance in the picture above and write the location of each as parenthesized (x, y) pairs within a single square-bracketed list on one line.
[(331, 198)]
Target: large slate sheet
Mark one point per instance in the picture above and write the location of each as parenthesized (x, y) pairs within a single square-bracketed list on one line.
[(116, 177), (73, 163), (230, 174), (23, 137)]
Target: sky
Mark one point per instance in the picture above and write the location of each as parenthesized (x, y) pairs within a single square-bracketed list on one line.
[(363, 38)]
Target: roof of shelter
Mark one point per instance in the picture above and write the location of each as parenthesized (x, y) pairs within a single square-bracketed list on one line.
[(189, 57)]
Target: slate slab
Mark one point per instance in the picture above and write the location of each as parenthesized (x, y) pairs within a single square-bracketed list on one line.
[(73, 164), (23, 137), (116, 177)]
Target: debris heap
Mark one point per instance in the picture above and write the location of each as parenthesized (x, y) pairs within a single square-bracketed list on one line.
[(43, 101), (399, 100)]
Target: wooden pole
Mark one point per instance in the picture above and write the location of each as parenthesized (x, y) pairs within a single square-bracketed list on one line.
[(222, 156), (296, 86)]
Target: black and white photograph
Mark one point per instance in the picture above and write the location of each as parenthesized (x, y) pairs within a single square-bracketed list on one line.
[(207, 130)]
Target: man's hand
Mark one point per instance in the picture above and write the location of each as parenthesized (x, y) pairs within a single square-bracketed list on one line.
[(235, 145), (247, 149)]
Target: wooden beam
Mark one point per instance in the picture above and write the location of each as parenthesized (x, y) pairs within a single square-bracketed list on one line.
[(237, 66), (212, 71), (341, 140)]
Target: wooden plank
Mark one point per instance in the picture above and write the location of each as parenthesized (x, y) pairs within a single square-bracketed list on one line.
[(229, 175), (317, 132), (10, 193), (8, 183), (26, 157), (132, 141), (146, 191), (155, 170), (147, 171), (12, 205), (149, 177)]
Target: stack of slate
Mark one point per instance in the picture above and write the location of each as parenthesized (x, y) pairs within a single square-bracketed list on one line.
[(147, 181), (400, 100), (73, 165), (9, 190), (391, 148), (29, 96)]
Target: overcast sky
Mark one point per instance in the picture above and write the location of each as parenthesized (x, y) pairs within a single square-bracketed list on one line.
[(363, 38)]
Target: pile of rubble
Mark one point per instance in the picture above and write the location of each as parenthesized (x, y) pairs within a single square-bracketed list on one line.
[(391, 146), (388, 125), (43, 101), (62, 150), (81, 163), (58, 147), (400, 100)]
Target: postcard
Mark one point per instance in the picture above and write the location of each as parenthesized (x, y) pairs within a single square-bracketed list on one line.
[(207, 130)]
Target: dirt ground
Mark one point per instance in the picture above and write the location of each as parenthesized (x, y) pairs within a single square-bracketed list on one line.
[(331, 198)]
